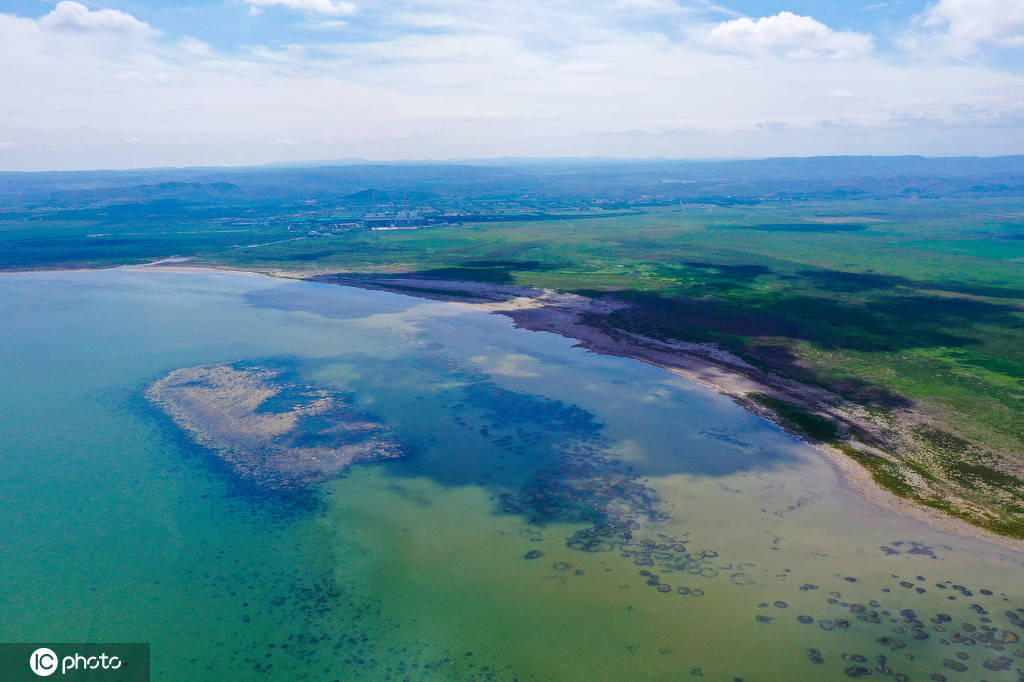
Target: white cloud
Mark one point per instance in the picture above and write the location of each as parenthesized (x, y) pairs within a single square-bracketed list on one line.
[(74, 16), (327, 25), (649, 6), (194, 46), (460, 78), (788, 34), (960, 27), (335, 8)]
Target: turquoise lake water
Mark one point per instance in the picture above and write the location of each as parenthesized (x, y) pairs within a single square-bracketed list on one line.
[(486, 552)]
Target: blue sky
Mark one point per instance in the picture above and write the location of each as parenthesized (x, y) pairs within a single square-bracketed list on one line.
[(134, 83)]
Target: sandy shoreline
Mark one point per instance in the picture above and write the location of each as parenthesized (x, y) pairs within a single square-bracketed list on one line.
[(579, 318)]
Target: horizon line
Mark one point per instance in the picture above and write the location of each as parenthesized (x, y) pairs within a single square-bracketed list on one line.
[(509, 160)]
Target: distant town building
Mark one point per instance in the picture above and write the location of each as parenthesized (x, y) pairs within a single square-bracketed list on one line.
[(400, 220)]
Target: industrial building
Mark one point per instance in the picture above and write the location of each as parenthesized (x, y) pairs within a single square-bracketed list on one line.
[(399, 220)]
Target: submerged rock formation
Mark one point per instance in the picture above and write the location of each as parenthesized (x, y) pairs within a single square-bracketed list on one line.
[(268, 427)]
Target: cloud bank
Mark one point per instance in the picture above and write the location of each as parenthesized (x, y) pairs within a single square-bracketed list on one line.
[(74, 16), (790, 35), (442, 79), (962, 27)]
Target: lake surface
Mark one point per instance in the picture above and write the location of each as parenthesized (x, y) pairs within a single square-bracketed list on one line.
[(559, 514)]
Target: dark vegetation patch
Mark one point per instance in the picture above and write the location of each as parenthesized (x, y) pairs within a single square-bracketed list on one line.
[(889, 323), (811, 425), (983, 290), (491, 275), (507, 264), (779, 357), (968, 473), (695, 320), (961, 462), (884, 472), (494, 272), (839, 281), (943, 441)]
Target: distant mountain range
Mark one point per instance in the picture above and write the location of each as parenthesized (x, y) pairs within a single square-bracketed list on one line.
[(673, 180)]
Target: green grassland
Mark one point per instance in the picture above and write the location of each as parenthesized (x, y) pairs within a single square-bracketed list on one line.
[(891, 303)]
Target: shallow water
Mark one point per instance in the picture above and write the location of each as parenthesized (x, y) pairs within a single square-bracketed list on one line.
[(117, 528)]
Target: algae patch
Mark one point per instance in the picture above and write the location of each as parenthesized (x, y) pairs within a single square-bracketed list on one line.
[(268, 427)]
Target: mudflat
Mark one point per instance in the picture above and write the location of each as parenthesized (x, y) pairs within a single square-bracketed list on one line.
[(267, 427)]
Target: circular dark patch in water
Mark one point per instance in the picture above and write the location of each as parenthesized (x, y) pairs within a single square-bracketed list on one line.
[(954, 665), (533, 554), (891, 642), (998, 664)]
